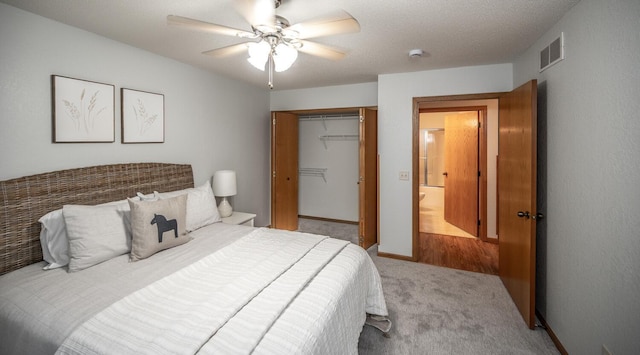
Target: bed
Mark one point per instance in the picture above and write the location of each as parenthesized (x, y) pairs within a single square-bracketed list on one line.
[(221, 289)]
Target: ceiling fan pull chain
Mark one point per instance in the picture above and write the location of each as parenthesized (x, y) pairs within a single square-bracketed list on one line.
[(270, 71)]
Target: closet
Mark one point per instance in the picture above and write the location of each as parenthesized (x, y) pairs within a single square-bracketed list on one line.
[(324, 164)]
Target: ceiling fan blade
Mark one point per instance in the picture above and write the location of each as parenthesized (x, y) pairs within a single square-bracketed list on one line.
[(207, 27), (227, 51), (321, 50), (257, 12), (333, 25)]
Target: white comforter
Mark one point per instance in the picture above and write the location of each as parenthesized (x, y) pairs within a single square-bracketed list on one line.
[(269, 292)]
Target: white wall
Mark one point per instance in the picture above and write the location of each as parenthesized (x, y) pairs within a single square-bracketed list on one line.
[(337, 197), (356, 95), (211, 122), (588, 275), (395, 105)]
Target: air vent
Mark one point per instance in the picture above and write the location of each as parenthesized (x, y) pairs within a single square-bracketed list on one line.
[(552, 53)]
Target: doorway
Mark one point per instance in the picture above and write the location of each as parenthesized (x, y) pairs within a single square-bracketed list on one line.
[(469, 175), (461, 187), (285, 169), (453, 213), (449, 186)]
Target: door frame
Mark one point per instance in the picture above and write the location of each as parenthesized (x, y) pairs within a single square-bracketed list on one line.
[(376, 215), (430, 103)]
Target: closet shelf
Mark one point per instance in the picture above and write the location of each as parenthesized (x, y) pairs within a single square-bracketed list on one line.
[(338, 137), (327, 117), (319, 172)]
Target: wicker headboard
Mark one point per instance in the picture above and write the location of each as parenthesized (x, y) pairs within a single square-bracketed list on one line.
[(26, 199)]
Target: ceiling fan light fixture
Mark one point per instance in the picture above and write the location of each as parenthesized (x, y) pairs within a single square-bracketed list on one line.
[(273, 43), (258, 64), (284, 56), (259, 54)]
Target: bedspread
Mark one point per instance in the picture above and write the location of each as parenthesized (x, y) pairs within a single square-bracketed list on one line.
[(269, 292)]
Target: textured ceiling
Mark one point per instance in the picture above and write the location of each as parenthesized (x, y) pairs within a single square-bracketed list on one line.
[(453, 33)]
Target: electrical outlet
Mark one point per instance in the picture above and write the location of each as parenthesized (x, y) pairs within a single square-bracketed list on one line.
[(404, 175), (605, 351)]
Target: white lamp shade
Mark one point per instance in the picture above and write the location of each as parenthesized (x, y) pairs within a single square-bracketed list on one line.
[(224, 183), (284, 57), (259, 54)]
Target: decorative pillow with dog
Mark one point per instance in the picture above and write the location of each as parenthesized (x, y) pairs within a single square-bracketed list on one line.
[(157, 225)]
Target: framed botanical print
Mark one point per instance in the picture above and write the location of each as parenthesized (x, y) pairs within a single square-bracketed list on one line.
[(83, 111), (142, 117)]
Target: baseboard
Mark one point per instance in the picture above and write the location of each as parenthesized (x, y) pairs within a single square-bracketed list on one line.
[(552, 335), (395, 256), (328, 219)]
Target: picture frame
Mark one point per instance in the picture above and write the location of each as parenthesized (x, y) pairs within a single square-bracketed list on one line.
[(142, 116), (83, 111)]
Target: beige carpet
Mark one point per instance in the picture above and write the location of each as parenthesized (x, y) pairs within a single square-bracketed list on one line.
[(437, 310)]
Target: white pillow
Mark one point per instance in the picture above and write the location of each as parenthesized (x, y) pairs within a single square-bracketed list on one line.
[(96, 233), (149, 197), (201, 206), (54, 240)]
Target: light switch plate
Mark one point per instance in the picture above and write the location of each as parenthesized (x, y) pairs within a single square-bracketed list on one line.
[(404, 175)]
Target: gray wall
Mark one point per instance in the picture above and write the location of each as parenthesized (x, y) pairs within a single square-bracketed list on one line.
[(395, 129), (395, 93), (211, 122), (589, 171)]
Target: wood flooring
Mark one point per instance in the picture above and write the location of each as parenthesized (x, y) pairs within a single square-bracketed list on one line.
[(459, 253)]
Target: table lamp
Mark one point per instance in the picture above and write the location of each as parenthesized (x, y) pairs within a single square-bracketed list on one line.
[(224, 185)]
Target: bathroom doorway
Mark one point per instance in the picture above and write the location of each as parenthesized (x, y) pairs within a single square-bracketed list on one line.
[(449, 172), (477, 254), (485, 177)]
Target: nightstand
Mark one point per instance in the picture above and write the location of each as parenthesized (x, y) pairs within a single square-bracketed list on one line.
[(240, 218)]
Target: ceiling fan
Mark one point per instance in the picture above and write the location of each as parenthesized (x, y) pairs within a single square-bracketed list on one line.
[(273, 42)]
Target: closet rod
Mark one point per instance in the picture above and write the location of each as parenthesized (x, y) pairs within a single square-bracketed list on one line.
[(341, 116), (339, 137)]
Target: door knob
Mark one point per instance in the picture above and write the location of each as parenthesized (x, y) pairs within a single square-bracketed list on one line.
[(445, 173), (524, 214), (538, 216)]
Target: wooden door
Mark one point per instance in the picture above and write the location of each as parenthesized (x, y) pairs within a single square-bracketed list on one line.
[(461, 166), (517, 196), (368, 180), (284, 171)]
